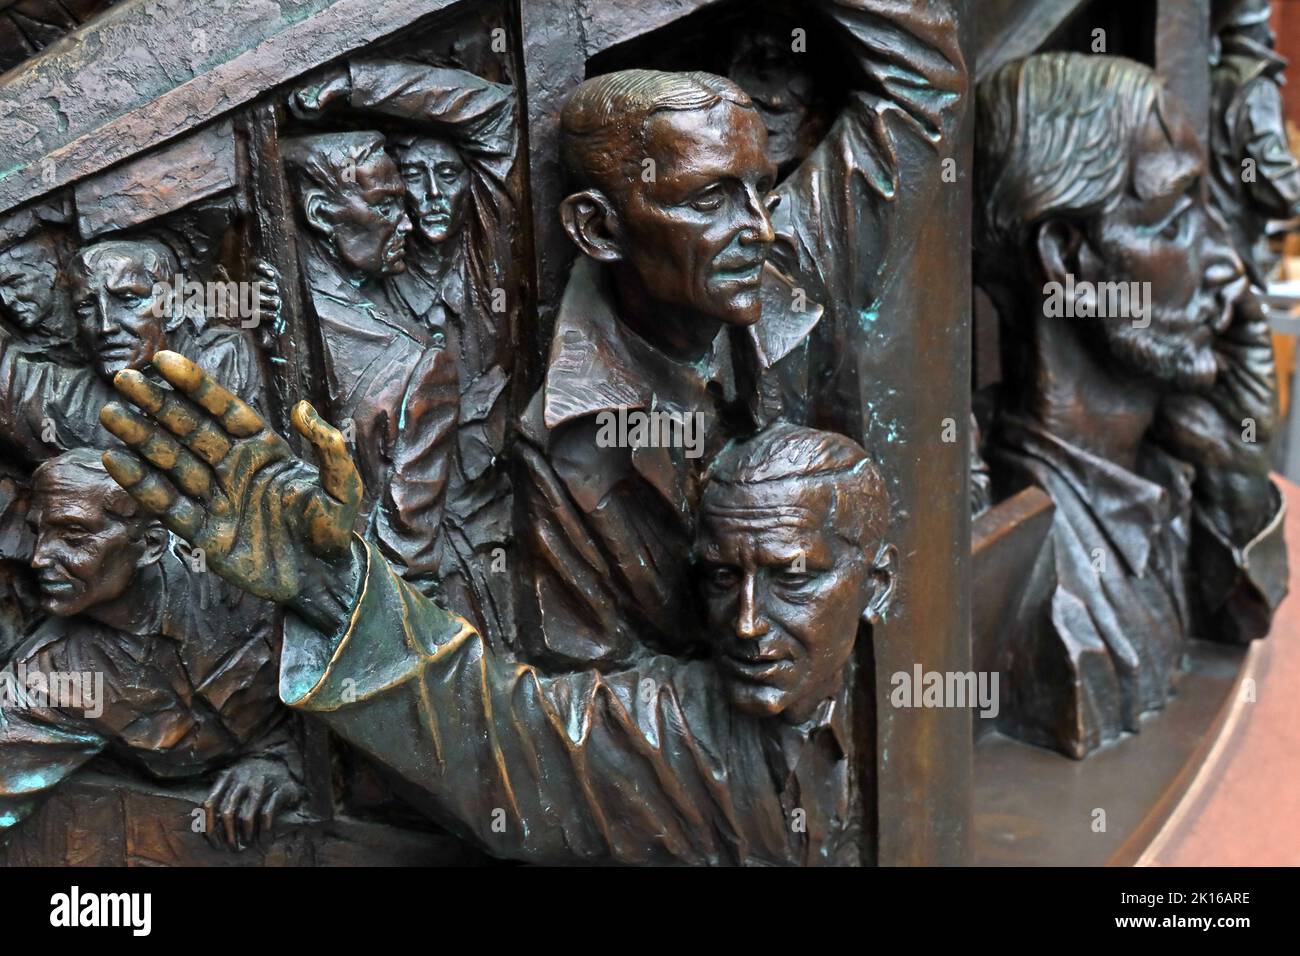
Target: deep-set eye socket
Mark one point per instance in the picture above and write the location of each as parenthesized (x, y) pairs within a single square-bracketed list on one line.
[(788, 578), (723, 577), (708, 199)]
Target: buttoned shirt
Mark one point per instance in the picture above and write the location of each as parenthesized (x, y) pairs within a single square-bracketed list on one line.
[(610, 525), (1132, 571)]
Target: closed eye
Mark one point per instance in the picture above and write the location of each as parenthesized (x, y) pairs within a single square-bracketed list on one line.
[(708, 199), (1173, 226), (794, 579)]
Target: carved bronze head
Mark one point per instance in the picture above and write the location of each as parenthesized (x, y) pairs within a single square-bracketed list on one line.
[(119, 302), (1090, 171), (29, 275), (675, 189), (792, 558), (350, 194), (437, 185), (91, 538), (1243, 18)]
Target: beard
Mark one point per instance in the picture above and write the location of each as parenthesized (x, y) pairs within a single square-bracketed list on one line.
[(1167, 351)]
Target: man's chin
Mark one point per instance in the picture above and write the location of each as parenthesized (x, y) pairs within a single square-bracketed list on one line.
[(109, 369), (741, 313), (436, 233), (61, 607), (756, 700)]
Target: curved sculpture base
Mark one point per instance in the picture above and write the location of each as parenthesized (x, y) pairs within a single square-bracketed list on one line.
[(1035, 807)]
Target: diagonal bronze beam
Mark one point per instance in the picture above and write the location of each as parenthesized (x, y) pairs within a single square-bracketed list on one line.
[(151, 70), (1008, 29)]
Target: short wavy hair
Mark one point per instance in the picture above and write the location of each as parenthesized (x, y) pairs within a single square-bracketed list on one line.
[(785, 452), (1053, 139), (326, 160), (75, 471), (604, 120), (156, 258)]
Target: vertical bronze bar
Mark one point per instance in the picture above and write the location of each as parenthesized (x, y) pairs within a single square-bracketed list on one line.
[(293, 351), (912, 365), (293, 354), (1183, 56)]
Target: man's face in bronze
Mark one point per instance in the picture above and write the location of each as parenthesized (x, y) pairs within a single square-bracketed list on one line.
[(367, 218), (85, 555), (28, 274), (783, 594), (698, 231), (1160, 234), (119, 310), (437, 187)]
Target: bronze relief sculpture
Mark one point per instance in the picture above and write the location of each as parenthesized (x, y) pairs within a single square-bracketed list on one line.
[(1138, 393), (420, 689), (673, 313), (382, 519), (441, 277), (167, 686)]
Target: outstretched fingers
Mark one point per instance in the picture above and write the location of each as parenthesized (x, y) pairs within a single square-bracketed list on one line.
[(329, 519), (154, 492), (160, 449), (235, 416), (175, 413)]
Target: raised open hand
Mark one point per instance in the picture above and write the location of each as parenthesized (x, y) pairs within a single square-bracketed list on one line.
[(218, 476)]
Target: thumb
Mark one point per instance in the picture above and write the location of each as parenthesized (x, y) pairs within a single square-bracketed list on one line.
[(338, 473)]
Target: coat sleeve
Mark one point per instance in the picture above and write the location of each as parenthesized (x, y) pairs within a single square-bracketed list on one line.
[(1276, 186), (420, 442), (859, 192), (572, 768), (36, 754), (476, 114)]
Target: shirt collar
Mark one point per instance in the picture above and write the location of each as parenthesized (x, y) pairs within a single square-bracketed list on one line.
[(331, 291), (421, 289), (830, 718), (1128, 507), (598, 364)]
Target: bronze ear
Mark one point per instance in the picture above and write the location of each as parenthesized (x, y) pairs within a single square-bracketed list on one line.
[(155, 540), (884, 572), (591, 222), (1057, 243), (314, 201)]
